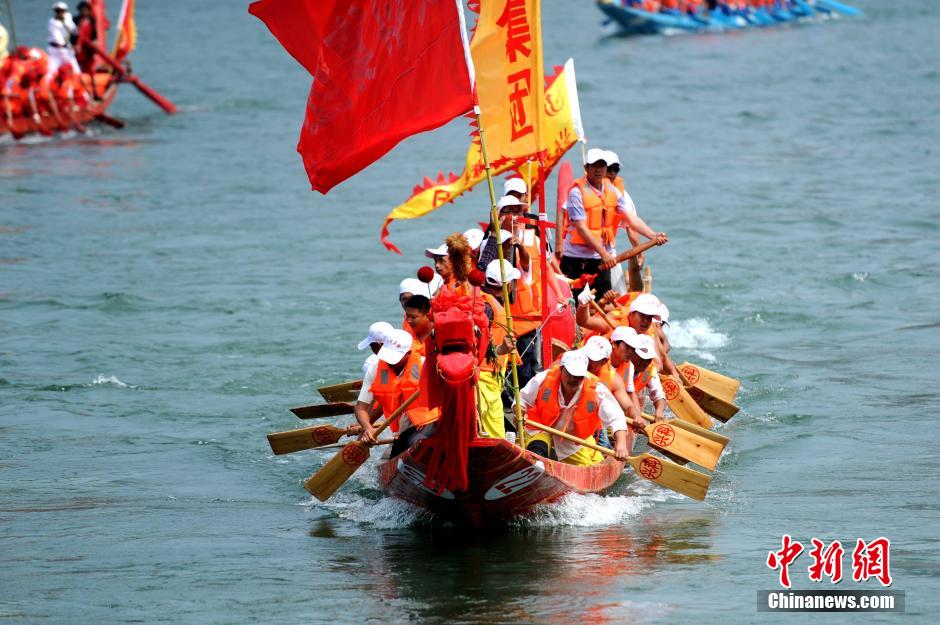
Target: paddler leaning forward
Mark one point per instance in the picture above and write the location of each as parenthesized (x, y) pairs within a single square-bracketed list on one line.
[(568, 398), (389, 381)]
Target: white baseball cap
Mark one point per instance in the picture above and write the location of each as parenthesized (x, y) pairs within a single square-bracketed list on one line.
[(474, 237), (622, 333), (431, 252), (509, 200), (515, 184), (644, 346), (377, 333), (647, 304), (612, 158), (493, 276), (397, 343), (663, 314), (60, 6), (594, 155), (575, 362), (597, 348), (413, 286)]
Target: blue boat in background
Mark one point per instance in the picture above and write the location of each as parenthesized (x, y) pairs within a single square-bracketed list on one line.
[(717, 16)]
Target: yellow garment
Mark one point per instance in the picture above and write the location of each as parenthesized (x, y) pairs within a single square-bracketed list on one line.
[(4, 42), (491, 405), (584, 457)]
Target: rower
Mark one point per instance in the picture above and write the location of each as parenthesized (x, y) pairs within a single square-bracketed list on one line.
[(418, 320), (493, 368), (374, 340), (635, 264), (61, 29), (394, 377), (640, 350), (567, 397), (613, 369)]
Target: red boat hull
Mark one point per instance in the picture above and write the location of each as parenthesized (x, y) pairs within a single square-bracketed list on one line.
[(24, 125), (505, 481)]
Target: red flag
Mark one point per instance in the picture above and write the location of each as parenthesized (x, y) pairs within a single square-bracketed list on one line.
[(382, 71)]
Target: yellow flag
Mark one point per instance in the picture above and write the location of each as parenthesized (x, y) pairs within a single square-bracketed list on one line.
[(561, 128)]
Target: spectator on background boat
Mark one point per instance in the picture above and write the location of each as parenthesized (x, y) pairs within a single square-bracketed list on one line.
[(640, 350), (61, 28), (592, 205), (568, 398), (493, 368), (4, 41), (374, 339), (388, 382)]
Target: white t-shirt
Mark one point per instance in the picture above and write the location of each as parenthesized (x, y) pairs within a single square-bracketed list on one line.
[(59, 31), (654, 387)]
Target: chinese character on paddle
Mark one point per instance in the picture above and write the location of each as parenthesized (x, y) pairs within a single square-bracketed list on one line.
[(871, 560), (784, 558), (826, 561)]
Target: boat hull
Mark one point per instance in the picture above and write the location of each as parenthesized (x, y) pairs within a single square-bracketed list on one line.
[(25, 125), (505, 481)]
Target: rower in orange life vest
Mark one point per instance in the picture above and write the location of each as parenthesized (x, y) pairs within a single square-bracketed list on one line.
[(374, 340), (639, 350), (591, 207), (615, 375), (568, 398), (386, 385), (635, 264), (493, 368), (418, 322)]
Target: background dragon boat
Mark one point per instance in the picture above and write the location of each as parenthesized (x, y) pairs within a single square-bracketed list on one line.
[(632, 19)]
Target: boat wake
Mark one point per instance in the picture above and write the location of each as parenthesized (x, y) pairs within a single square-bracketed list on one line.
[(696, 336)]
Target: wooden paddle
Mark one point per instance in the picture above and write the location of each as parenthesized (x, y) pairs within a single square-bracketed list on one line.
[(309, 438), (682, 404), (344, 391), (114, 122), (681, 442), (384, 441), (122, 73), (334, 473), (715, 384), (709, 434), (665, 473), (715, 406), (318, 411), (636, 250), (600, 311)]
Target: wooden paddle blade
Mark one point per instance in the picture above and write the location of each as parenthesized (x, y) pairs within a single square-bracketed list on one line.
[(345, 391), (318, 411), (682, 404), (715, 384), (680, 442), (670, 475), (304, 438), (709, 434), (334, 473), (715, 406)]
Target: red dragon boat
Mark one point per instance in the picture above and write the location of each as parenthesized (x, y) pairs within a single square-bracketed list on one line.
[(107, 86)]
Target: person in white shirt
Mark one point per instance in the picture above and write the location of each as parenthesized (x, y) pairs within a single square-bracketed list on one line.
[(374, 340), (61, 29)]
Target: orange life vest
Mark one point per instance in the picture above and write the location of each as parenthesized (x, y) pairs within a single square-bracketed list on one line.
[(599, 210), (609, 372), (391, 390), (527, 309), (642, 379), (585, 419), (618, 219)]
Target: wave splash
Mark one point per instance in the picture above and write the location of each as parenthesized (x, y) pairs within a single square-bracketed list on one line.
[(696, 336)]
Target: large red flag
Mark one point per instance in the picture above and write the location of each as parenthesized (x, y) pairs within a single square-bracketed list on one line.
[(382, 71)]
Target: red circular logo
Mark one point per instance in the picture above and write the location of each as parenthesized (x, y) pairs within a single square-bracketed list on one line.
[(355, 454), (696, 394), (322, 436), (651, 468), (670, 388), (663, 435), (691, 373)]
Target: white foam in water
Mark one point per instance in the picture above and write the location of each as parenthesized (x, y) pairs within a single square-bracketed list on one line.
[(696, 336), (385, 513), (110, 380), (588, 511)]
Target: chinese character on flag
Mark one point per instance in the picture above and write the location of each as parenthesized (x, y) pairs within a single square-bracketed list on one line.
[(828, 561), (784, 558), (871, 560)]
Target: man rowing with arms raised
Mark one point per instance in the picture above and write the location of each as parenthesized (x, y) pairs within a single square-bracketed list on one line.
[(568, 398)]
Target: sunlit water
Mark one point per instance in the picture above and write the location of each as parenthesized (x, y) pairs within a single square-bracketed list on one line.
[(169, 290)]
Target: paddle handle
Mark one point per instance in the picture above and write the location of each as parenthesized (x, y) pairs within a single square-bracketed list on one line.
[(570, 437), (398, 412), (384, 441), (158, 99), (600, 310), (636, 250)]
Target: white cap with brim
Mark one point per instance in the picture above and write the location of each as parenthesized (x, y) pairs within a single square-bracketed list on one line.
[(646, 304), (509, 200), (663, 314), (397, 343), (612, 158), (597, 348), (431, 252), (377, 333), (515, 184), (644, 346), (575, 362), (594, 155), (493, 276), (413, 286), (622, 334), (60, 6), (474, 237)]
